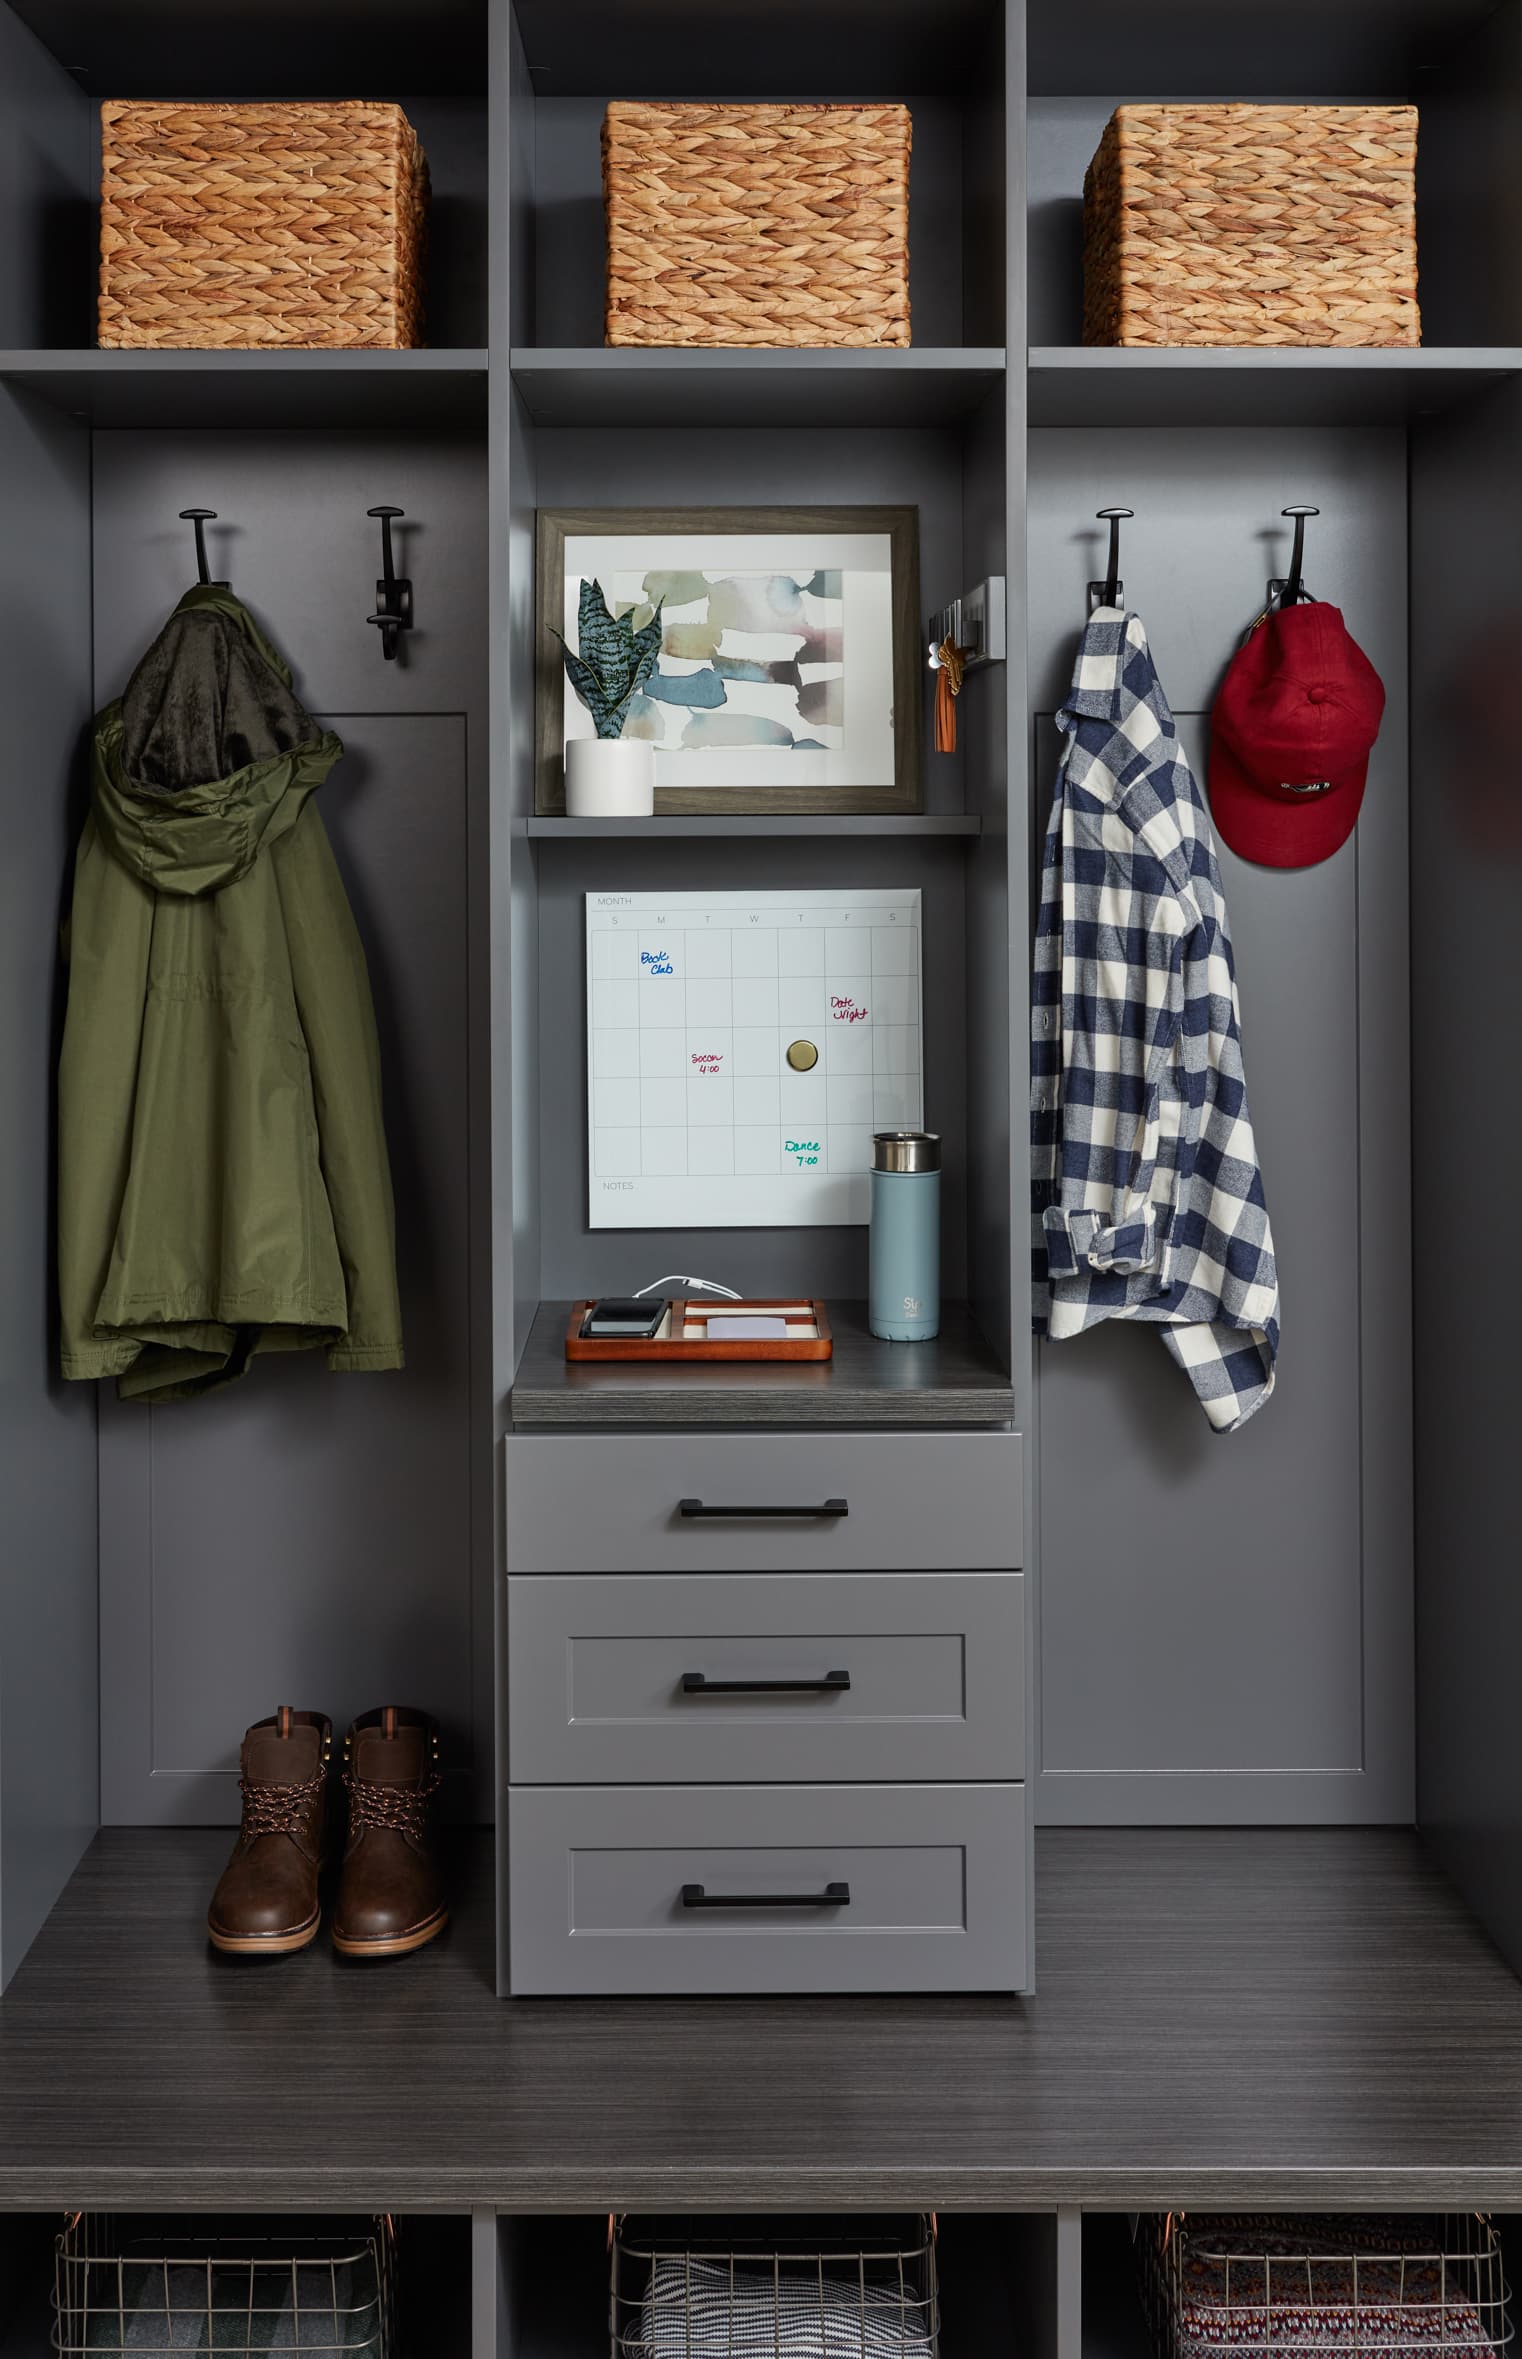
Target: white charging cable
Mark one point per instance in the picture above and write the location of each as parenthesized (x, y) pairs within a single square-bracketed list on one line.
[(703, 1285)]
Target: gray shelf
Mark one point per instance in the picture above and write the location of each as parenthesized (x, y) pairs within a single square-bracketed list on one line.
[(917, 386), (1232, 2017), (296, 388), (850, 823), (953, 1381), (1076, 385)]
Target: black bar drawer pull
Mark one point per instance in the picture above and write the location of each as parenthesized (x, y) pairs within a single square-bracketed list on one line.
[(833, 1896), (697, 1683), (695, 1507)]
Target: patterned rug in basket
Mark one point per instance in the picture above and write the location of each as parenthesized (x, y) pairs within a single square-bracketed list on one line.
[(1340, 2285)]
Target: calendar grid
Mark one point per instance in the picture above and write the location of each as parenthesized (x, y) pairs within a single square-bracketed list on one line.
[(742, 1049)]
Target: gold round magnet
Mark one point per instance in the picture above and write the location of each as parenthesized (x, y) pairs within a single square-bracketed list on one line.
[(803, 1056)]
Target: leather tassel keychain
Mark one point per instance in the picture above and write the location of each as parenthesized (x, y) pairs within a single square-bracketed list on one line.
[(951, 664)]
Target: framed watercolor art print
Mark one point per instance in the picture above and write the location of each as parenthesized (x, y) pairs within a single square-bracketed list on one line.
[(790, 674)]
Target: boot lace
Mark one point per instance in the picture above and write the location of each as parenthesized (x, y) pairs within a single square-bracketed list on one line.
[(278, 1810), (402, 1809)]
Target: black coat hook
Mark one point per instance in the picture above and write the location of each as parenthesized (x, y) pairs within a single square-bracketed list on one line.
[(393, 591), (1111, 591), (200, 518), (1292, 589)]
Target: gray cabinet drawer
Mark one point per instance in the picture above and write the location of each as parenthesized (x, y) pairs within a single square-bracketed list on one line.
[(602, 1676), (930, 1888), (660, 1503)]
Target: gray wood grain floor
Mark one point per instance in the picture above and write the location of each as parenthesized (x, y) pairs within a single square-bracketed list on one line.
[(1300, 2017)]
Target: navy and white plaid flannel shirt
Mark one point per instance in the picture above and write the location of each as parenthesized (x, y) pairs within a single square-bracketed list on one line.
[(1147, 1199)]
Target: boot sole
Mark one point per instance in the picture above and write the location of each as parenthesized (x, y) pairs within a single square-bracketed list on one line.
[(265, 1945), (394, 1945)]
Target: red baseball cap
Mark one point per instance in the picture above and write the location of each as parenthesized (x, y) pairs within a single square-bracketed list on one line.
[(1290, 737)]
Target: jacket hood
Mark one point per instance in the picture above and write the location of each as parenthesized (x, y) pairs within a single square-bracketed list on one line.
[(209, 755)]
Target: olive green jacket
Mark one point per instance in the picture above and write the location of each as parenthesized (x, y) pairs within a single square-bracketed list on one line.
[(223, 1183)]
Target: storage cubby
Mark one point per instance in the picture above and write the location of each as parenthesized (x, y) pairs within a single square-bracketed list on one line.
[(427, 2304), (995, 2273), (58, 64), (566, 71)]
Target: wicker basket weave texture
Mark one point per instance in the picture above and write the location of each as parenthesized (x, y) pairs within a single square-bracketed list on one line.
[(234, 225), (757, 224), (1252, 225)]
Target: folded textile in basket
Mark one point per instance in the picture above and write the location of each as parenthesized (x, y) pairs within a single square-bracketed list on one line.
[(243, 2307), (1319, 2284), (702, 2310)]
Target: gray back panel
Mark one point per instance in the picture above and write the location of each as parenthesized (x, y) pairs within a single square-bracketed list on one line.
[(305, 1531), (1224, 1625), (1467, 972), (48, 1778)]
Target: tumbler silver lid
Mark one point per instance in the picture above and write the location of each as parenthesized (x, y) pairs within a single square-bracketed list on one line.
[(906, 1150)]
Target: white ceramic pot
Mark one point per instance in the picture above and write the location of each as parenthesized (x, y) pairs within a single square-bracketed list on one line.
[(609, 778)]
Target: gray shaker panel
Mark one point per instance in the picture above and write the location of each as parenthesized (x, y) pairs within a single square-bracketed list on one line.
[(588, 1503), (304, 1537), (935, 1876), (597, 1671), (1224, 1624), (307, 1537)]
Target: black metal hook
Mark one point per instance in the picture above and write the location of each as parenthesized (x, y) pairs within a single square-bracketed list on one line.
[(1292, 589), (200, 518), (393, 591), (1112, 589)]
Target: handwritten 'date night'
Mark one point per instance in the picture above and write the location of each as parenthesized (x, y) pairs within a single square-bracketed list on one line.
[(846, 1011)]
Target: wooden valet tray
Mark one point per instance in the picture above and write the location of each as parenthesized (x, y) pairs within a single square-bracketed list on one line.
[(685, 1333)]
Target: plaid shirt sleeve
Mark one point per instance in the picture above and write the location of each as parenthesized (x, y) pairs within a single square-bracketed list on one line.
[(1147, 1199)]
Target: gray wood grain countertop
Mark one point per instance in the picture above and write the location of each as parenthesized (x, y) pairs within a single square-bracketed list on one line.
[(953, 1380), (1289, 2018)]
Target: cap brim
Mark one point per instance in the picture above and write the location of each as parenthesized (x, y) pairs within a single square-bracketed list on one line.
[(1279, 830)]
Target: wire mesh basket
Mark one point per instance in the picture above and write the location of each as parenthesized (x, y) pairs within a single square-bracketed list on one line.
[(161, 2287), (1296, 2287), (777, 2289)]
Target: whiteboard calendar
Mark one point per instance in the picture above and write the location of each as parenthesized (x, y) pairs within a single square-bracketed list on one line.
[(741, 1050)]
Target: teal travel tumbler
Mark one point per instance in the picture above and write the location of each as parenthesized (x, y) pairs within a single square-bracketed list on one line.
[(904, 1287)]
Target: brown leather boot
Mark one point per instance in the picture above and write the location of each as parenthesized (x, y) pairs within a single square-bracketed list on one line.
[(266, 1902), (390, 1898)]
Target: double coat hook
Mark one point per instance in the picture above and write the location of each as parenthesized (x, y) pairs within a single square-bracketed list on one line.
[(1111, 591), (393, 591)]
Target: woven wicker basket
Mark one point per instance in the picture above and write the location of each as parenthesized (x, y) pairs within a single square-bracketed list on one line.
[(290, 223), (757, 224), (1252, 225)]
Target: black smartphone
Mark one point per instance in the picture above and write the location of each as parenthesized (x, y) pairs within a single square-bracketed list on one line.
[(626, 1314)]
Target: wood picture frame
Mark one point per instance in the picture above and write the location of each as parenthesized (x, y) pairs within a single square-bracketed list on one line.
[(902, 792)]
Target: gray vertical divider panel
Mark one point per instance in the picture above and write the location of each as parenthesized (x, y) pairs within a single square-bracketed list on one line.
[(1225, 1620), (1467, 977), (307, 1537), (514, 892), (492, 2324), (49, 1783)]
